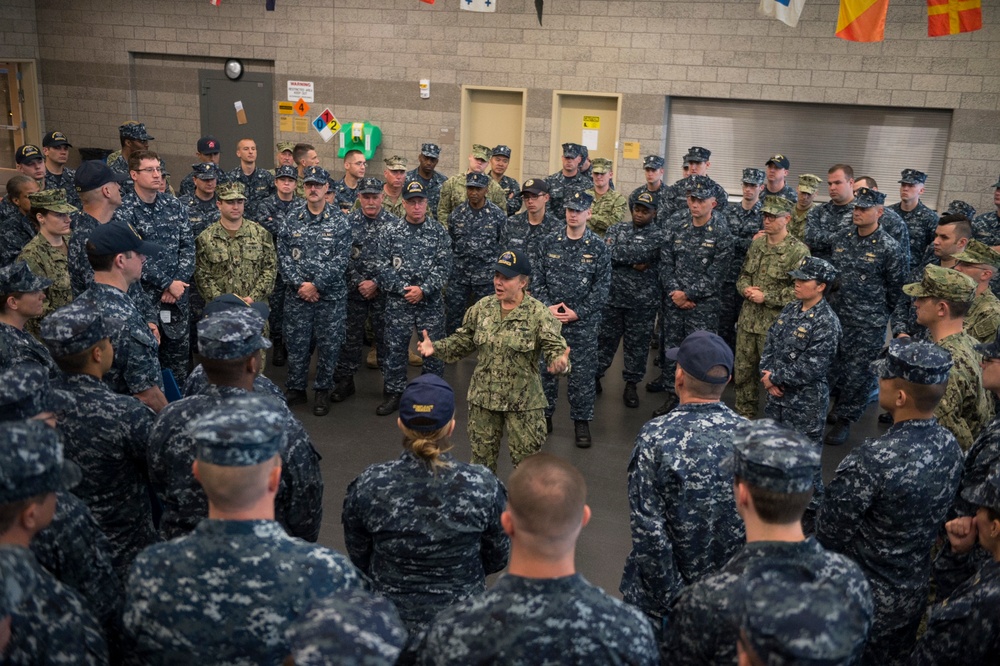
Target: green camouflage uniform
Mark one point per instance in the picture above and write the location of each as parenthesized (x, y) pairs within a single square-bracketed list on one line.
[(766, 266), (983, 317), (44, 260), (797, 225), (453, 193), (506, 386), (244, 264), (966, 407), (608, 209)]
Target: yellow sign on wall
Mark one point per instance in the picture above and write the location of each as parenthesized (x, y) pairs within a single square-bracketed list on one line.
[(630, 150), (591, 122), (286, 108)]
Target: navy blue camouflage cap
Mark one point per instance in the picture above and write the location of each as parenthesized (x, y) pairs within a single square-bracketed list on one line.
[(572, 150), (74, 328), (986, 493), (645, 199), (501, 151), (963, 208), (17, 278), (702, 187), (511, 263), (28, 153), (792, 616), (55, 140), (231, 334), (205, 171), (414, 189), (912, 177), (473, 179), (865, 197), (96, 173), (286, 171), (370, 186), (535, 186), (18, 578), (753, 176), (240, 431), (116, 237), (25, 392), (316, 174), (135, 131), (353, 628), (209, 145), (914, 362), (779, 160), (431, 150), (579, 200), (31, 461), (946, 283), (768, 455), (700, 352), (233, 302), (427, 403), (814, 268), (697, 154), (652, 162)]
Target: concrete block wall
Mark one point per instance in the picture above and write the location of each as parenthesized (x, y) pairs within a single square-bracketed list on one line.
[(366, 58)]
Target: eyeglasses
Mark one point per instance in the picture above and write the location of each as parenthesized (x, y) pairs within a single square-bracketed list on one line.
[(150, 170)]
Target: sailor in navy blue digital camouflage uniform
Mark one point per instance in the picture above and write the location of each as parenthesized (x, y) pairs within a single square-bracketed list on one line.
[(563, 183), (827, 219), (873, 272), (634, 296), (50, 624), (695, 257), (439, 537), (474, 227), (100, 190), (313, 253), (23, 295), (523, 232), (745, 221), (499, 161), (681, 511), (201, 203), (414, 260), (774, 468), (674, 200), (58, 176), (431, 180), (105, 433), (225, 593), (541, 611), (890, 496), (230, 343), (652, 165), (573, 279), (920, 220)]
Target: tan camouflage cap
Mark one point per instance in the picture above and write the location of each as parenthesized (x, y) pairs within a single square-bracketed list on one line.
[(54, 200), (809, 183), (481, 152), (231, 191), (285, 146), (395, 163), (943, 283), (978, 252), (601, 165), (777, 206)]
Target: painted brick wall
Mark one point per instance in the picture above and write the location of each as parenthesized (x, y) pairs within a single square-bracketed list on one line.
[(366, 59)]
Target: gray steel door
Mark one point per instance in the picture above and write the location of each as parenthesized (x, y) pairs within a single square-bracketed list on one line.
[(218, 113)]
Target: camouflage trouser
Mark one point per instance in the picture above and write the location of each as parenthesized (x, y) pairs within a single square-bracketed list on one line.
[(525, 434), (354, 335), (457, 298), (175, 341), (749, 347), (851, 376), (323, 320), (729, 312), (677, 324), (277, 305), (401, 319), (582, 340), (635, 325), (894, 627)]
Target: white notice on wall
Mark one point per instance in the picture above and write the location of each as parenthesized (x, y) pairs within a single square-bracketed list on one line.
[(301, 90), (589, 139)]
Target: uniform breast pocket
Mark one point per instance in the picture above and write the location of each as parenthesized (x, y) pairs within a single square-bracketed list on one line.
[(252, 251), (798, 344), (217, 255), (520, 339)]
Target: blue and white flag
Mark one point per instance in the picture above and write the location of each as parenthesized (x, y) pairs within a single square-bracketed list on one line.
[(786, 11), (478, 5)]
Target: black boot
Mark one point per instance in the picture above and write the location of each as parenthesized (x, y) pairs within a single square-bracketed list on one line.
[(838, 432), (295, 397), (280, 356), (322, 405), (668, 404), (658, 385), (389, 405), (583, 440), (343, 390), (630, 397)]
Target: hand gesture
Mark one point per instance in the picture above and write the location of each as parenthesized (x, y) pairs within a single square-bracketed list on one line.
[(559, 365), (425, 346)]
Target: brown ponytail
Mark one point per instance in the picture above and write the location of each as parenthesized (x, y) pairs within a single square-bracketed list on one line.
[(428, 446)]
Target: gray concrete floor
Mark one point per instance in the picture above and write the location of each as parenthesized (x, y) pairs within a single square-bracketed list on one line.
[(352, 436)]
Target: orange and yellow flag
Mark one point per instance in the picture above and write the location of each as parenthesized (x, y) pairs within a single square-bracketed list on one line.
[(950, 17), (862, 20)]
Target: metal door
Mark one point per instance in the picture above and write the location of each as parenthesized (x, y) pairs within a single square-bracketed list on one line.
[(219, 96)]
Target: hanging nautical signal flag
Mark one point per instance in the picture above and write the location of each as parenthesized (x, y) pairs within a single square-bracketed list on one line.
[(950, 17), (478, 5), (862, 20), (429, 2), (786, 11), (215, 2)]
